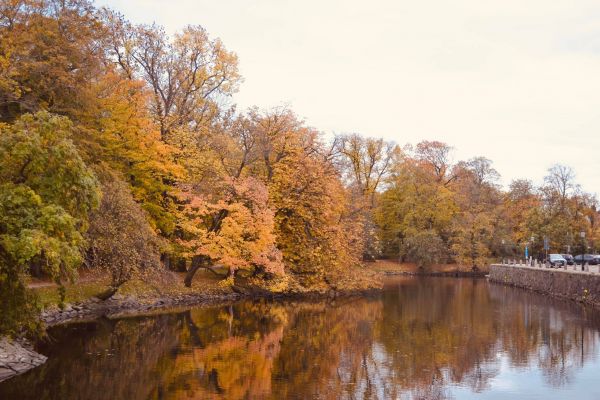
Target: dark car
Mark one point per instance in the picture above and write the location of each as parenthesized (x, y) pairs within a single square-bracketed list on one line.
[(569, 258), (587, 258)]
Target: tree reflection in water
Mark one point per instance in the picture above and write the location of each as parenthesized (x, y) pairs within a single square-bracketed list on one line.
[(420, 339)]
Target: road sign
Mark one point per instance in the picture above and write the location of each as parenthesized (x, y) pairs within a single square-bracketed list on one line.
[(526, 252), (546, 244)]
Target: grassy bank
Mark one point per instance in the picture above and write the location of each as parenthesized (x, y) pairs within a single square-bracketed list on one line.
[(90, 285), (169, 284)]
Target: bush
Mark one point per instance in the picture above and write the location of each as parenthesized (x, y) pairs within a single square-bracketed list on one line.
[(425, 248), (121, 240), (46, 194)]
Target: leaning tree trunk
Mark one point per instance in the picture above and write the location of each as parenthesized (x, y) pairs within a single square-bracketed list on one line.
[(196, 264), (197, 261), (108, 293)]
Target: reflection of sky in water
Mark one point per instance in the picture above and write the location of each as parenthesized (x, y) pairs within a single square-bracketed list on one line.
[(518, 383), (530, 383)]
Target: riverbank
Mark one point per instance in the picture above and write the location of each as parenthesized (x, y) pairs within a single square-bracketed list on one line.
[(392, 267), (579, 286), (17, 357), (159, 293), (142, 296), (163, 290)]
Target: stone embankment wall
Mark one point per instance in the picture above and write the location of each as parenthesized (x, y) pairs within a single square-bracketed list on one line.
[(574, 285)]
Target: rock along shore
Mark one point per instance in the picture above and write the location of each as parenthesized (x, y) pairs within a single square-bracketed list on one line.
[(16, 357)]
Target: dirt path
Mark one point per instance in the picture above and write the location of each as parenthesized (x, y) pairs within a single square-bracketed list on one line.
[(40, 284)]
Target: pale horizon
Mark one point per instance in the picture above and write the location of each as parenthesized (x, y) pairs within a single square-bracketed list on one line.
[(514, 81)]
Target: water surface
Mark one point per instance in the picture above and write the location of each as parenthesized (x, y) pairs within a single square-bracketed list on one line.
[(431, 338)]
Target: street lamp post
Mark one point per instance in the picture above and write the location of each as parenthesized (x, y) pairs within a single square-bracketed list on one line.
[(582, 234), (532, 246)]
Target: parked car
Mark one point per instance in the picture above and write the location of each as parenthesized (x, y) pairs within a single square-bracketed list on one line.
[(556, 260), (587, 258), (569, 259)]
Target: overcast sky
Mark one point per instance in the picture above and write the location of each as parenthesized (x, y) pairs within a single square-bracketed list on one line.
[(517, 81)]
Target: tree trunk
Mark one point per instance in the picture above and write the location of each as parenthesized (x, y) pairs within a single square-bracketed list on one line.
[(166, 260), (36, 268), (196, 263), (199, 262), (181, 266), (107, 294)]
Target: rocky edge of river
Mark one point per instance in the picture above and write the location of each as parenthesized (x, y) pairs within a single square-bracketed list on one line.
[(18, 356)]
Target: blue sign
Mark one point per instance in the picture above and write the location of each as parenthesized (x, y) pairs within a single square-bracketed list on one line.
[(546, 244), (526, 252)]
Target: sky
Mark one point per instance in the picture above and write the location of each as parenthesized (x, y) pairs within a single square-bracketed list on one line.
[(516, 81)]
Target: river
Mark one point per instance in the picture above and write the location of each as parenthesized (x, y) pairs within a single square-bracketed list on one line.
[(421, 338)]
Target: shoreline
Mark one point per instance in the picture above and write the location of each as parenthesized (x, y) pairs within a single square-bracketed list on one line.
[(448, 274), (132, 306), (574, 286), (17, 356)]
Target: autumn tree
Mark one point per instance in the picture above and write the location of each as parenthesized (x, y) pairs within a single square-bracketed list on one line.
[(119, 133), (477, 227), (46, 195), (49, 54), (426, 248), (316, 232), (235, 231), (317, 229), (521, 204), (563, 212), (187, 75), (239, 153), (365, 164), (415, 205), (120, 239), (435, 158), (313, 234)]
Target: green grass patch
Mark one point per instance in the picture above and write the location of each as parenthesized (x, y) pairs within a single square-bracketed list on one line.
[(49, 295), (155, 285)]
